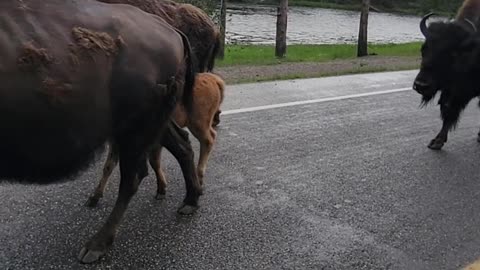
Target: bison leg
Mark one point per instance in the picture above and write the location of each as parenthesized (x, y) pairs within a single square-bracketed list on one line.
[(130, 166), (441, 138), (176, 141), (155, 158), (216, 118), (450, 115), (110, 164)]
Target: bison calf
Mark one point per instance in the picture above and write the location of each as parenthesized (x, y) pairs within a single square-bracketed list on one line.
[(208, 95)]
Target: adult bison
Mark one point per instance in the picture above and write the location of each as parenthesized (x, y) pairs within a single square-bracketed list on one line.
[(450, 64), (74, 74), (201, 31)]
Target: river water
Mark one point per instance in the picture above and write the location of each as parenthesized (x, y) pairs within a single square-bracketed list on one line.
[(256, 25)]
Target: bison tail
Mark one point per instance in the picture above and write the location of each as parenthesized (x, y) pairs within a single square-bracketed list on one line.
[(189, 81), (214, 52)]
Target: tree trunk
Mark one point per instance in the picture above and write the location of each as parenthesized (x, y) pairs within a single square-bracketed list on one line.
[(362, 35), (223, 24), (281, 39)]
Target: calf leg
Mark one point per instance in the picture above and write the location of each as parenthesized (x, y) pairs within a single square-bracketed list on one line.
[(110, 164), (216, 118), (176, 141), (131, 162), (155, 158), (206, 138)]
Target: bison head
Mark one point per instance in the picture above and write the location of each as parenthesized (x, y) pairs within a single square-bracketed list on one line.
[(447, 56)]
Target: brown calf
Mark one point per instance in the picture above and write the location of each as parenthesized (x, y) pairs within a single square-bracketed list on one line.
[(208, 95)]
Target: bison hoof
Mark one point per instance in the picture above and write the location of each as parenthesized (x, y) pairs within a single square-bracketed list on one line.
[(436, 144), (186, 209), (160, 196), (92, 202), (90, 256)]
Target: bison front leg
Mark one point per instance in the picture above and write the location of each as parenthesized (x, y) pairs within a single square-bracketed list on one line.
[(110, 164), (132, 168), (441, 138), (450, 115), (176, 141)]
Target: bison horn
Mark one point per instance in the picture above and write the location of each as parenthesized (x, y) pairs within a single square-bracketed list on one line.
[(472, 25), (423, 24)]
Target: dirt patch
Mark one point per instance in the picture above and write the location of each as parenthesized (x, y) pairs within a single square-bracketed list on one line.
[(90, 43), (240, 74), (33, 59), (89, 40)]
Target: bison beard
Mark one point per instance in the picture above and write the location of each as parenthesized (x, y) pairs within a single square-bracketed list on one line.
[(72, 82)]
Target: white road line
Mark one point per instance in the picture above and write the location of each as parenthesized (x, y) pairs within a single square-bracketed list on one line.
[(303, 102)]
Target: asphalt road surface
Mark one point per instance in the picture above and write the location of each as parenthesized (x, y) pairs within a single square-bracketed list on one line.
[(329, 173)]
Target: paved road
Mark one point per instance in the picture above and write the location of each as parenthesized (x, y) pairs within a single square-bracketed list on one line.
[(329, 173)]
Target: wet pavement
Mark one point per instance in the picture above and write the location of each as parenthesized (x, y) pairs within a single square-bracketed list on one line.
[(330, 173)]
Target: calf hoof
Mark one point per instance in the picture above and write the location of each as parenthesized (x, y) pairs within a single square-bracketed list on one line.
[(436, 144), (186, 209), (92, 201)]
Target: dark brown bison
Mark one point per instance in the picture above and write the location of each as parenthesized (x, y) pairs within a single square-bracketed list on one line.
[(74, 74), (201, 31), (450, 57), (207, 97), (203, 34)]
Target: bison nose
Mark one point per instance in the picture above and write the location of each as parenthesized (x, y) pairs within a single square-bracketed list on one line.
[(420, 86)]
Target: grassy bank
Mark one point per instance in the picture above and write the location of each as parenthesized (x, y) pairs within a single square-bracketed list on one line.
[(257, 55)]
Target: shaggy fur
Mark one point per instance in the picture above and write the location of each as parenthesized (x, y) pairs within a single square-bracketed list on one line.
[(470, 9), (203, 34)]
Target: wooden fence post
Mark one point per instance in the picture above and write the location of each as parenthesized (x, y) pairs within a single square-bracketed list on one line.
[(362, 35), (281, 38), (223, 25)]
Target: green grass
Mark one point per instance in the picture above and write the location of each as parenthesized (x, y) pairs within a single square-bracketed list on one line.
[(265, 54), (353, 70)]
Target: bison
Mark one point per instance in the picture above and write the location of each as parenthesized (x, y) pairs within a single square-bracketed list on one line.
[(75, 74), (203, 34), (208, 95), (450, 57)]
